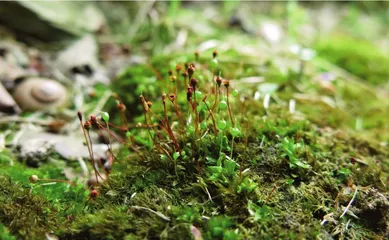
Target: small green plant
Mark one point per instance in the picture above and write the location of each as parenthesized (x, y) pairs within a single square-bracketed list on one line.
[(180, 123), (247, 186), (224, 169), (289, 148), (259, 214), (4, 233), (221, 227), (187, 214)]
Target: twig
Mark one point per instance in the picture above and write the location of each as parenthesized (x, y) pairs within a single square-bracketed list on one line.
[(152, 211), (349, 204)]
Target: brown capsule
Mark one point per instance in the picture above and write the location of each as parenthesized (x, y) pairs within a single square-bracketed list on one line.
[(214, 54), (149, 103), (172, 79), (226, 83), (185, 74), (79, 114), (93, 119), (219, 80), (121, 107), (163, 97), (197, 55), (189, 93), (144, 103), (178, 68), (194, 82), (94, 194), (33, 179), (87, 125), (191, 70), (172, 97), (170, 72)]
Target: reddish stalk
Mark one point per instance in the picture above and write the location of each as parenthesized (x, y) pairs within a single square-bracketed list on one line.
[(101, 128), (122, 142), (271, 193), (145, 110), (159, 76), (97, 173), (178, 69), (217, 92), (193, 83), (210, 115), (227, 84), (89, 143), (173, 99), (170, 132)]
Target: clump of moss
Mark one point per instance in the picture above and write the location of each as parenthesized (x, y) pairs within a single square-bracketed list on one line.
[(359, 57), (25, 214)]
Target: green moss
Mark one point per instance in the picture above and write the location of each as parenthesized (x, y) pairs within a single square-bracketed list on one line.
[(25, 214), (4, 233), (276, 177), (359, 57)]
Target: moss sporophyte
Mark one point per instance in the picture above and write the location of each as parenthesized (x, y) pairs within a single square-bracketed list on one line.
[(183, 120)]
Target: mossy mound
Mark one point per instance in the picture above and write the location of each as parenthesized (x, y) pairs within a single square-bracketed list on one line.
[(359, 57)]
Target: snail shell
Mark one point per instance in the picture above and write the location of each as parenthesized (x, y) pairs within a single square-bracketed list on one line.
[(40, 94)]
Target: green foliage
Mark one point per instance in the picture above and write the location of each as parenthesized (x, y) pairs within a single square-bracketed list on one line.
[(289, 148), (4, 233), (187, 214), (105, 116), (247, 186), (359, 57), (259, 214), (203, 187), (221, 227), (224, 169), (30, 214)]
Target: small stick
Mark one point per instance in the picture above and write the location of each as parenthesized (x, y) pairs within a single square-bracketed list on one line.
[(271, 193), (349, 204), (88, 144), (145, 110), (168, 124), (210, 115), (227, 84)]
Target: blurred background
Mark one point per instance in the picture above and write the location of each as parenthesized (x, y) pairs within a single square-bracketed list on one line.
[(331, 57), (299, 65)]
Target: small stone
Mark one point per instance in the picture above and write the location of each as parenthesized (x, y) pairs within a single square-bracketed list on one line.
[(33, 179)]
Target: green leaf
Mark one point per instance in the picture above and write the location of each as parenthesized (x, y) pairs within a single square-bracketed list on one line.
[(222, 124), (235, 132), (229, 166), (128, 134), (176, 155), (235, 92), (222, 105), (302, 164), (345, 171), (105, 116), (214, 63)]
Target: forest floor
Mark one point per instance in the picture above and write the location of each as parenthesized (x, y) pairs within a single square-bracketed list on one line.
[(293, 143)]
